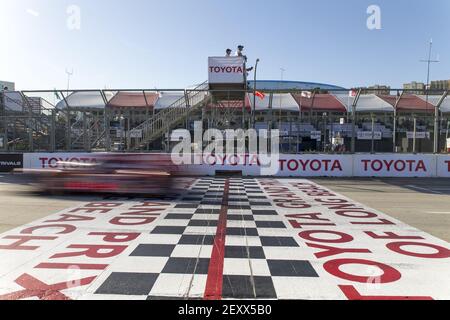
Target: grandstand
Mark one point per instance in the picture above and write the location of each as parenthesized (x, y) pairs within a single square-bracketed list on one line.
[(143, 120)]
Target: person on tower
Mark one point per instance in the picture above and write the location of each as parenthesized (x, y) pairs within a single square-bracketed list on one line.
[(240, 53)]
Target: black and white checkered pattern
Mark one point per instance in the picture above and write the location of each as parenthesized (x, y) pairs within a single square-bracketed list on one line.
[(261, 256)]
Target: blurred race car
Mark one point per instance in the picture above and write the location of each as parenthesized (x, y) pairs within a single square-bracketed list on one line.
[(119, 174)]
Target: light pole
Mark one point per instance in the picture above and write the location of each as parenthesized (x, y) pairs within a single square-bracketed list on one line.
[(254, 96), (280, 114), (69, 74), (436, 110), (69, 125)]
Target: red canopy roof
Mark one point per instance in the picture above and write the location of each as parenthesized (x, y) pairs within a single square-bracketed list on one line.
[(320, 102), (408, 103), (134, 100)]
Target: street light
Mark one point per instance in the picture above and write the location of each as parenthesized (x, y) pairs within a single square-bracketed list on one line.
[(254, 96), (429, 61), (69, 74)]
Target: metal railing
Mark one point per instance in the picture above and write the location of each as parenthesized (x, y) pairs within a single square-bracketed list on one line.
[(403, 128), (168, 118)]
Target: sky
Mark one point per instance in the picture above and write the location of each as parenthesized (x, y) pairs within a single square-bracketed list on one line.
[(150, 44)]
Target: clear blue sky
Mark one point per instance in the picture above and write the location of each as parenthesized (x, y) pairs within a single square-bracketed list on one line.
[(165, 44)]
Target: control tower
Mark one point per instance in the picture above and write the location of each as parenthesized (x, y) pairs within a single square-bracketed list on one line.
[(227, 78)]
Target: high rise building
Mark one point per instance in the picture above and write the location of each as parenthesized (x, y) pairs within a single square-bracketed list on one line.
[(440, 85), (415, 87), (377, 89)]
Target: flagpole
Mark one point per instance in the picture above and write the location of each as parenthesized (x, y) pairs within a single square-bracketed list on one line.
[(299, 125), (254, 97)]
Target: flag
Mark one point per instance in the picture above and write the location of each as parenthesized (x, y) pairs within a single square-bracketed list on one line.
[(306, 94), (260, 95), (57, 95)]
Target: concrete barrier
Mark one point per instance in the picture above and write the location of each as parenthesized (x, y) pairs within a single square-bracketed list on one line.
[(308, 165)]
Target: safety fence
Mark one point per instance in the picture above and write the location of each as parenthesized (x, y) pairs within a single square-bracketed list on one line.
[(326, 121)]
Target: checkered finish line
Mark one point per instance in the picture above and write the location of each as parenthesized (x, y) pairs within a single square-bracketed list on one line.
[(224, 238)]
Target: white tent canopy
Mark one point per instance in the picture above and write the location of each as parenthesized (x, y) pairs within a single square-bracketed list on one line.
[(166, 99), (85, 99), (283, 101), (366, 103)]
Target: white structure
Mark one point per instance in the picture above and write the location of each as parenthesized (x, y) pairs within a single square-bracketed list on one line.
[(5, 85), (226, 70)]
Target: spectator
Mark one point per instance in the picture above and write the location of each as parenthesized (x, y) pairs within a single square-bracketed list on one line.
[(228, 54), (240, 53)]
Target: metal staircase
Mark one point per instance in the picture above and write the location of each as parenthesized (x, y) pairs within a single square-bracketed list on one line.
[(169, 118), (32, 124)]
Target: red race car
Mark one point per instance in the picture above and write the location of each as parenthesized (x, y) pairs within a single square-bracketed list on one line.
[(110, 173)]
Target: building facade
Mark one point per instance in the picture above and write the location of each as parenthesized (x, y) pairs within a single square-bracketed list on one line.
[(415, 87), (440, 85), (377, 89)]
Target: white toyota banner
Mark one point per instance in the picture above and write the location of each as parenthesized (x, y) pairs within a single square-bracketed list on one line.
[(223, 70), (443, 166), (394, 165), (306, 165)]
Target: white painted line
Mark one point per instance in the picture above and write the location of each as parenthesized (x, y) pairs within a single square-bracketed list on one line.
[(435, 212), (424, 189)]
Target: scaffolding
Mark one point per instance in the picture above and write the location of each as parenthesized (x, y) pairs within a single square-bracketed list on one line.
[(142, 120)]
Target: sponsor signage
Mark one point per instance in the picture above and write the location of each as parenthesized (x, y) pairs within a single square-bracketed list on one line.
[(136, 134), (392, 165), (316, 135), (367, 135), (224, 70), (321, 165), (443, 166), (50, 160), (9, 162), (128, 134), (178, 135), (419, 135)]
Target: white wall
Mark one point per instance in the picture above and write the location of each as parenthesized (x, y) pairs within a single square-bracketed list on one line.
[(360, 165)]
